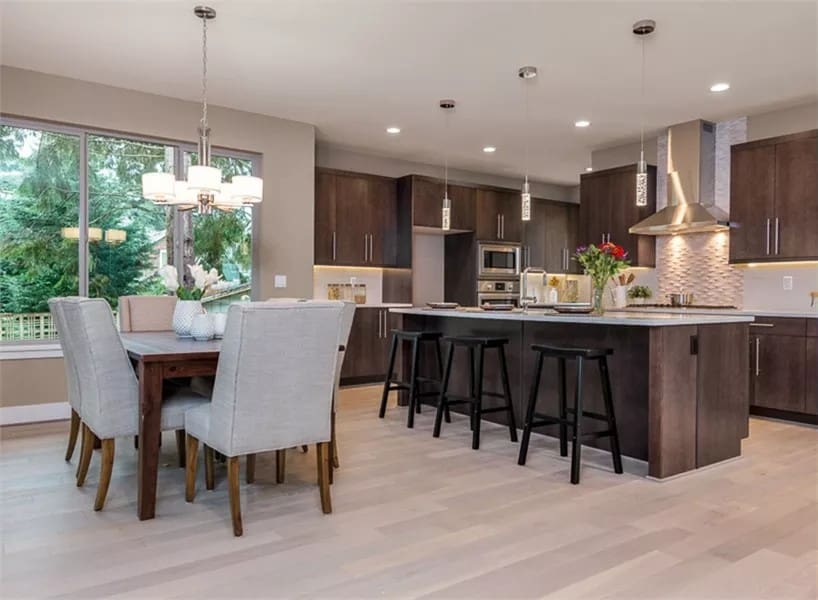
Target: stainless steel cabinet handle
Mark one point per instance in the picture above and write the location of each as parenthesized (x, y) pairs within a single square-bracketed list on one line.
[(777, 236), (758, 346), (762, 325), (366, 249), (498, 226), (371, 248), (768, 236), (333, 246), (503, 226)]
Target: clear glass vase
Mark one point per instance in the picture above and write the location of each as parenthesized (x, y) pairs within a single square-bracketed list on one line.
[(596, 299)]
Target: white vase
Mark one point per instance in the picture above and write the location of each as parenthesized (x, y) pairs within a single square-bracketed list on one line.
[(202, 327), (219, 322), (620, 296), (183, 316)]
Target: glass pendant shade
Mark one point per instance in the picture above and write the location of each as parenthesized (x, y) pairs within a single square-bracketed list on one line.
[(204, 179), (247, 189), (642, 182), (446, 217), (158, 187), (525, 202)]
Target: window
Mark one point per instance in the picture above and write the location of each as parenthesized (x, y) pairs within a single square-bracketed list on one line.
[(52, 203)]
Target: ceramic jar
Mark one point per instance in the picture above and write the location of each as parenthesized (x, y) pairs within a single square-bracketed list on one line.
[(219, 322), (183, 316), (202, 328)]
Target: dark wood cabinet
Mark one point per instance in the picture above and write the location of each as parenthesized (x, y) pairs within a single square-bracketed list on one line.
[(608, 210), (550, 238), (499, 216), (774, 199), (811, 377), (368, 346), (357, 220), (426, 196)]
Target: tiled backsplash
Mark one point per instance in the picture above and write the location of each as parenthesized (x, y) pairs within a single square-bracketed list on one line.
[(371, 278)]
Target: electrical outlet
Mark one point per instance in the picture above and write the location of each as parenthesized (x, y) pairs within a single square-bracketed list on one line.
[(787, 282), (280, 281)]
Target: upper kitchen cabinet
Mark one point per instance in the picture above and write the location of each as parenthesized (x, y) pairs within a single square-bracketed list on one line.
[(608, 209), (498, 216), (426, 197), (550, 238), (774, 199), (358, 221)]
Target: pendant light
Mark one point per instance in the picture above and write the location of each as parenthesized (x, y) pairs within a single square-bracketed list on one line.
[(204, 187), (527, 74), (446, 216), (642, 29)]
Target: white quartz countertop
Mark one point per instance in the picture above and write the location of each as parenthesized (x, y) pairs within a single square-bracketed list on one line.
[(611, 318), (756, 312), (386, 305)]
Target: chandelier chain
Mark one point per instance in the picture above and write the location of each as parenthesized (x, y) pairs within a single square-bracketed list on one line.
[(642, 100)]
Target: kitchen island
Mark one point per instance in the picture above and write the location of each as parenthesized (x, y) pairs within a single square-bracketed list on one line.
[(680, 384)]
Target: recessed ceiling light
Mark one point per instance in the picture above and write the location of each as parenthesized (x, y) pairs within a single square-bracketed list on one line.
[(719, 87), (489, 149), (393, 130), (589, 169), (582, 123)]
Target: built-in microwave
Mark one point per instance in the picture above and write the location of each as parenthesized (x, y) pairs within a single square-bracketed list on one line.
[(498, 261)]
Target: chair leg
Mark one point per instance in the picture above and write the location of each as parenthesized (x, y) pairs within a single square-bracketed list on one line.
[(323, 476), (478, 404), (73, 433), (85, 455), (563, 400), (233, 492), (389, 374), (281, 465), (105, 472), (609, 409), (529, 413), (512, 425), (180, 447), (576, 440), (192, 463), (438, 353), (250, 469), (442, 402), (334, 441), (210, 468), (413, 399)]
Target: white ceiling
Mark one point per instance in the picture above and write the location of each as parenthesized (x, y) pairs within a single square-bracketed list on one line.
[(352, 68)]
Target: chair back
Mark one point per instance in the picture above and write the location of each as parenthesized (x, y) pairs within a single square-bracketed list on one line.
[(146, 313), (347, 317), (275, 377), (107, 386), (55, 306)]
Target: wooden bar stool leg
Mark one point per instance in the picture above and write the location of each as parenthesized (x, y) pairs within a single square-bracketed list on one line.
[(413, 400), (472, 386), (442, 402), (609, 409), (576, 441), (529, 413), (389, 374), (478, 404), (447, 414), (73, 433), (563, 400), (512, 425)]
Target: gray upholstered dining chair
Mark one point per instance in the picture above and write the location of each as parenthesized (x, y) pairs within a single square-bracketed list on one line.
[(273, 390), (56, 307), (100, 372)]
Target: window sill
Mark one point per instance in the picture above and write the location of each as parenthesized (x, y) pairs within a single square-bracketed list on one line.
[(29, 350)]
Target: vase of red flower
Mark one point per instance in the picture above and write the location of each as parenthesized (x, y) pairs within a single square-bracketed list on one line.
[(601, 263)]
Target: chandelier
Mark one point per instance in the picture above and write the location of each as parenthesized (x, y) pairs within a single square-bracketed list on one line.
[(204, 187)]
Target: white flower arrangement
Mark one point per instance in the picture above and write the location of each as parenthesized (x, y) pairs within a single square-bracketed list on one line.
[(203, 281)]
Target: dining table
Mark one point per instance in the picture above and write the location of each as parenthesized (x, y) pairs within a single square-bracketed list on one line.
[(158, 356)]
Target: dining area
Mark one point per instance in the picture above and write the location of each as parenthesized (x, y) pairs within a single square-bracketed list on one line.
[(267, 385)]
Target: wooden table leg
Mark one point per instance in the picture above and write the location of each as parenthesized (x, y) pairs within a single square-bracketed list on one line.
[(150, 402)]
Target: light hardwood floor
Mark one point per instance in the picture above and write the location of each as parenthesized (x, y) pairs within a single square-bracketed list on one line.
[(417, 517)]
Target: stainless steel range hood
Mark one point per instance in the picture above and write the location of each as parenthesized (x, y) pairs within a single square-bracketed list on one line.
[(691, 182)]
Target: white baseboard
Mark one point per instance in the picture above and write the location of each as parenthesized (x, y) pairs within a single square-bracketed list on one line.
[(34, 413)]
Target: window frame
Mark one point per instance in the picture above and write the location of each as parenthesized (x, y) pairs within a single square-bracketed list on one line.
[(23, 349)]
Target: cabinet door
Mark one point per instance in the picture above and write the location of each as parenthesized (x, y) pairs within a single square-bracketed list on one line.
[(464, 201), (779, 378), (572, 236), (325, 226), (594, 209), (624, 214), (796, 199), (427, 202), (382, 215), (352, 225), (488, 215), (533, 252), (362, 358), (511, 224), (752, 191), (556, 238), (811, 377)]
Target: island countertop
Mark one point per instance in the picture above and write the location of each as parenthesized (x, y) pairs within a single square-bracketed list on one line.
[(612, 318)]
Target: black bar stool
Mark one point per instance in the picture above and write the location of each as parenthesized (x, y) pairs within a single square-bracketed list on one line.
[(476, 393), (415, 379), (534, 419)]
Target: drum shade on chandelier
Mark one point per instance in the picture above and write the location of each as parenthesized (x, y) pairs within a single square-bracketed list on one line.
[(204, 187)]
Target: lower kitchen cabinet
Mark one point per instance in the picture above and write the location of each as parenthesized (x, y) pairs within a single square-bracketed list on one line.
[(367, 350)]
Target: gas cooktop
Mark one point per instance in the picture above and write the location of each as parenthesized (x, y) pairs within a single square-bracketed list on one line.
[(697, 306)]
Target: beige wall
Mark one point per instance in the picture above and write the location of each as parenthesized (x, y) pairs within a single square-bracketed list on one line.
[(25, 382), (285, 240), (626, 154), (781, 122)]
